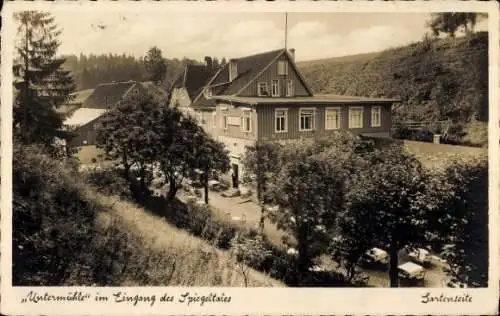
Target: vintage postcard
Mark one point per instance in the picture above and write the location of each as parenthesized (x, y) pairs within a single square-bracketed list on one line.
[(249, 158)]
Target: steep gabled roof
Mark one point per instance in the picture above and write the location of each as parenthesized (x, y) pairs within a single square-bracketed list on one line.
[(83, 116), (248, 69), (108, 94), (193, 79)]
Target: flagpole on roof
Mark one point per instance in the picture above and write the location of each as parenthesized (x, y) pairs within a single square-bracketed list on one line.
[(286, 28)]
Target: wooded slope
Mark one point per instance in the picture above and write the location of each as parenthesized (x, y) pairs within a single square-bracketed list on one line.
[(435, 79)]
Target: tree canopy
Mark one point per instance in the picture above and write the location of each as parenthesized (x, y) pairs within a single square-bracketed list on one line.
[(155, 64), (450, 22), (41, 83)]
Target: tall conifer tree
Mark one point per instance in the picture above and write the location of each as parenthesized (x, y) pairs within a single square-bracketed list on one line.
[(41, 83)]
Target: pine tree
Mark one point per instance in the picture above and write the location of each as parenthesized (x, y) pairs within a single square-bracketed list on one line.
[(41, 83)]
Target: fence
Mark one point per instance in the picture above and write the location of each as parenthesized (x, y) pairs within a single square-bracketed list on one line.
[(434, 126)]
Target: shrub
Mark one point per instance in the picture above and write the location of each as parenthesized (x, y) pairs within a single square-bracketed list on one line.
[(108, 181), (52, 219)]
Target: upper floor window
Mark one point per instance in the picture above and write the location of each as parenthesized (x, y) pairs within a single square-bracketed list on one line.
[(332, 118), (355, 117), (280, 120), (376, 116), (282, 67), (224, 120), (262, 89), (246, 120), (306, 119), (214, 117), (289, 88), (275, 92)]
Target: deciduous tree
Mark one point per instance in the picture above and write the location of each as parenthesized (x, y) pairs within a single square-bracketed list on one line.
[(261, 163), (155, 65), (127, 134), (462, 221), (387, 197), (450, 22), (309, 191)]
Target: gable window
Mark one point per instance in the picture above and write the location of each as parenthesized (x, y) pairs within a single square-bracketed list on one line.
[(289, 88), (376, 116), (136, 91), (246, 120), (306, 120), (332, 118), (355, 117), (282, 67), (208, 92), (262, 89), (281, 120), (275, 92)]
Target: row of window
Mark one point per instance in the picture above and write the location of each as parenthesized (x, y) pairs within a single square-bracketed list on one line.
[(333, 118), (263, 89), (307, 119)]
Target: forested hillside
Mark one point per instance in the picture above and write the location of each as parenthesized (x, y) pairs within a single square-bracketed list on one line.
[(90, 70), (435, 79)]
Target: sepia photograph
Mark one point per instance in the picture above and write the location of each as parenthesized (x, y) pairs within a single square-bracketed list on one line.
[(247, 149)]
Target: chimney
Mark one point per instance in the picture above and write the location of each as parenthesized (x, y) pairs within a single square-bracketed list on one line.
[(208, 63), (233, 70), (292, 53)]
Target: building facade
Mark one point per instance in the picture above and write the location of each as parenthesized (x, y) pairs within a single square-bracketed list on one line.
[(265, 97), (83, 119)]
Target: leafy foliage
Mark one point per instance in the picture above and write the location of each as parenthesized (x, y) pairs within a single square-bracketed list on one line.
[(143, 135), (155, 65), (248, 252), (450, 22), (51, 218), (387, 198), (41, 83), (462, 220), (127, 134)]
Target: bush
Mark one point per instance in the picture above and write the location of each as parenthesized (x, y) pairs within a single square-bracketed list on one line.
[(108, 181), (52, 219), (423, 135)]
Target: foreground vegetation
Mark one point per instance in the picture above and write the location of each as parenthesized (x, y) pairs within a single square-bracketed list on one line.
[(343, 195), (64, 233)]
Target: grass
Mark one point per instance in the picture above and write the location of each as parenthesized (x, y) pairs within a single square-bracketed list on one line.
[(161, 254), (439, 156), (86, 154)]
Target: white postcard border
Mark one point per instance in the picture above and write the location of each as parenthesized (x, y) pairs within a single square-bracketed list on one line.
[(255, 300)]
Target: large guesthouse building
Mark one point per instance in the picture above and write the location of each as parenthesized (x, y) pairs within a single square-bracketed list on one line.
[(265, 97)]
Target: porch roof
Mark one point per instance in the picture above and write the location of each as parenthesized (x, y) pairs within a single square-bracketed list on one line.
[(319, 98)]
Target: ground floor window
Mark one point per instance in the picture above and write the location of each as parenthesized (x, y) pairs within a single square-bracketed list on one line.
[(376, 116), (355, 117), (332, 118), (281, 117), (306, 119)]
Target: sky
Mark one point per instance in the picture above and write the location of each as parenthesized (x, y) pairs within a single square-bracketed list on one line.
[(235, 34)]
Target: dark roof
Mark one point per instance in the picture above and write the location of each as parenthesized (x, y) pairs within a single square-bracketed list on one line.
[(108, 94), (322, 99), (194, 78), (248, 68)]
